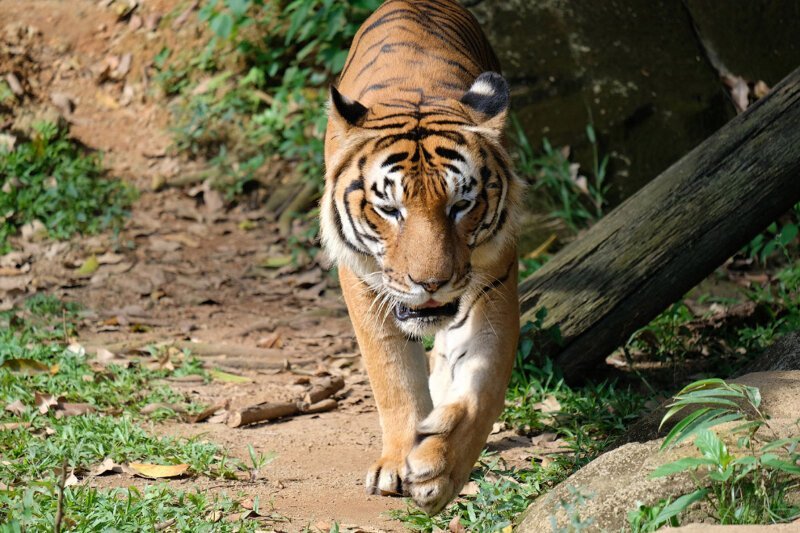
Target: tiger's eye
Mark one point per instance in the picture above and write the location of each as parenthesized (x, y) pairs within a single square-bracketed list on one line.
[(389, 211), (459, 206)]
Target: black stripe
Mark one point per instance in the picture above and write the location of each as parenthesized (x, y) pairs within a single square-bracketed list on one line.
[(347, 161), (449, 154), (340, 229), (484, 292), (454, 363), (378, 193), (394, 159)]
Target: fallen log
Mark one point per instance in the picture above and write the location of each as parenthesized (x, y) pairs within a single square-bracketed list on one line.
[(659, 243)]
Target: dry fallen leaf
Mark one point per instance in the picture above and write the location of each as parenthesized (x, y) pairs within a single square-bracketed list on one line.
[(25, 366), (761, 89), (9, 426), (76, 348), (106, 100), (549, 405), (109, 258), (219, 375), (543, 438), (208, 412), (158, 471), (455, 525), (73, 409), (272, 340), (470, 489), (16, 407), (33, 231), (44, 402), (108, 466)]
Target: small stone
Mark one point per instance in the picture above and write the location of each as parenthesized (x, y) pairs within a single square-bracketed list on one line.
[(64, 103)]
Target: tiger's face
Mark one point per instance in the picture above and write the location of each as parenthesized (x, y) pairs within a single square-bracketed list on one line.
[(417, 202)]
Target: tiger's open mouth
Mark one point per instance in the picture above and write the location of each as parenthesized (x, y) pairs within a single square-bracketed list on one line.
[(403, 313)]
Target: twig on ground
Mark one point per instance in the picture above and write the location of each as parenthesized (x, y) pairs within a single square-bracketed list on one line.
[(317, 400), (165, 524), (60, 505), (232, 350), (325, 389)]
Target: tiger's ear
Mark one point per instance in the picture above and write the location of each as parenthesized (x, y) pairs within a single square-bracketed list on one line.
[(347, 112), (487, 101)]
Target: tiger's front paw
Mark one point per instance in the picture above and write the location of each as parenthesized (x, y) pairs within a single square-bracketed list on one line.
[(432, 478), (384, 477), (441, 461)]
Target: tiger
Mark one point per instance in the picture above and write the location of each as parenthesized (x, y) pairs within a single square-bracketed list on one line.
[(420, 214)]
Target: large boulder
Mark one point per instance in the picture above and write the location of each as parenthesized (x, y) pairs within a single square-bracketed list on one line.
[(794, 527), (613, 483), (784, 354)]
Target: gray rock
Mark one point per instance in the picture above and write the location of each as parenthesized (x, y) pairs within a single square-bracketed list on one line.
[(615, 481), (794, 527), (784, 354), (611, 484)]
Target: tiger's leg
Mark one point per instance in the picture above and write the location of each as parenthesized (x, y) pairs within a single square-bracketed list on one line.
[(472, 363), (398, 374)]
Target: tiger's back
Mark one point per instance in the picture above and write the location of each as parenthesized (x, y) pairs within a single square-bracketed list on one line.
[(407, 47)]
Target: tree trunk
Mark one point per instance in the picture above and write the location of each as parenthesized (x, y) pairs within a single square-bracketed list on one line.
[(666, 238)]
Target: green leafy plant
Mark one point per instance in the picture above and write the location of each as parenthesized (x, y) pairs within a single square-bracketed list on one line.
[(578, 200), (777, 237), (268, 65), (51, 179), (646, 519), (742, 485), (534, 342)]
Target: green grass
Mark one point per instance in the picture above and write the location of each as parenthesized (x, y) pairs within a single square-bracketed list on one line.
[(576, 199), (677, 335), (125, 510), (40, 332), (35, 359), (50, 179)]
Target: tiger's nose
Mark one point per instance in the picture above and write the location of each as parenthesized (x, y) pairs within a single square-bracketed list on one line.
[(431, 284)]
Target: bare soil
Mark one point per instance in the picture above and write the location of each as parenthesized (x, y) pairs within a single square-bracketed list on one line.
[(190, 267)]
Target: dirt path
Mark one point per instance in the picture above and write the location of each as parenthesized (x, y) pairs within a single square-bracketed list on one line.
[(183, 269), (188, 269)]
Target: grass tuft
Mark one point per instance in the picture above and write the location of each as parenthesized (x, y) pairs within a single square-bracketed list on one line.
[(52, 180)]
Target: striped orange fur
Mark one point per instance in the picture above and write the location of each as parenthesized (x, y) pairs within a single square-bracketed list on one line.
[(420, 214)]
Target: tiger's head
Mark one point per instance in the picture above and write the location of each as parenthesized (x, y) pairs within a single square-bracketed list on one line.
[(420, 199)]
